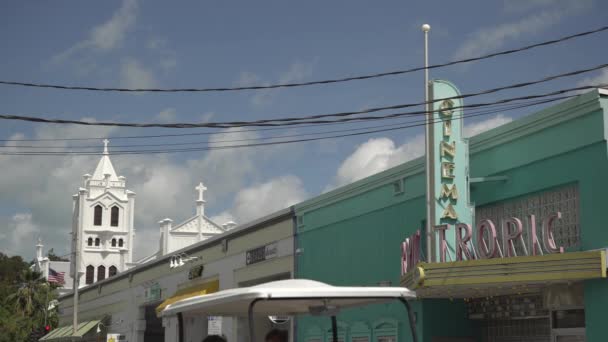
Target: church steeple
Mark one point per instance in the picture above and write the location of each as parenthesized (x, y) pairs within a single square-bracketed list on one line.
[(103, 222), (104, 168)]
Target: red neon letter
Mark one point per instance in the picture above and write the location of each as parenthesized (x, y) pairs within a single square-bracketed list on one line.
[(548, 240), (410, 252), (443, 245), (533, 237), (462, 241), (490, 250), (508, 236)]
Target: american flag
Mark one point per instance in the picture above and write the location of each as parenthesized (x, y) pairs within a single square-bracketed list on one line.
[(56, 277)]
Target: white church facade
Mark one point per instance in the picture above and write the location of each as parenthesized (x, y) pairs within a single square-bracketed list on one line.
[(194, 229), (102, 221), (103, 224)]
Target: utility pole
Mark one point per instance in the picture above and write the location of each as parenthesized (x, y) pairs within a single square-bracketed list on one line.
[(75, 282), (81, 193), (46, 303), (430, 170)]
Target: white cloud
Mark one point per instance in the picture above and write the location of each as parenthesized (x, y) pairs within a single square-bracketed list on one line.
[(296, 72), (375, 155), (489, 39), (134, 75), (486, 125), (167, 57), (167, 115), (223, 217), (23, 230), (106, 36), (43, 186), (379, 154), (599, 79), (516, 6), (247, 79), (262, 199), (206, 117)]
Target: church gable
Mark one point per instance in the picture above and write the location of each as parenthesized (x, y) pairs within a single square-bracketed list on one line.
[(211, 227), (191, 226), (107, 199), (188, 226)]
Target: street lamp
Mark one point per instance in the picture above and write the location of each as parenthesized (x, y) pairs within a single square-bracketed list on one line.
[(100, 324), (181, 259)]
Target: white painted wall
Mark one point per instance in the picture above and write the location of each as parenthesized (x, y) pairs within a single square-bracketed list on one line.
[(126, 305)]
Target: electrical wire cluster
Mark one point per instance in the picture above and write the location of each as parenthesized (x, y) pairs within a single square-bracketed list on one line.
[(399, 120)]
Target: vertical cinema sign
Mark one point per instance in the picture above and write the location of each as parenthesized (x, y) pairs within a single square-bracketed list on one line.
[(451, 165)]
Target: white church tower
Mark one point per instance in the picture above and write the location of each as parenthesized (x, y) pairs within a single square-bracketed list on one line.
[(103, 222)]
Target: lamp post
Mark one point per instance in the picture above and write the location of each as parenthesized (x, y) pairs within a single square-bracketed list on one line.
[(430, 171)]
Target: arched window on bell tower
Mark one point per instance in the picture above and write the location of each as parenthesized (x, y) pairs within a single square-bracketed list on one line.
[(97, 215), (114, 216), (90, 277), (112, 271), (101, 273)]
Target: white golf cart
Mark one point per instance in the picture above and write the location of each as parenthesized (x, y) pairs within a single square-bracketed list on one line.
[(288, 298)]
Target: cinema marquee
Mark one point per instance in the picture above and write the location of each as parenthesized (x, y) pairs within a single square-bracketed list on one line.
[(476, 256)]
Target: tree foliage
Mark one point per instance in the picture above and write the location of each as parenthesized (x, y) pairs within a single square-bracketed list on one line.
[(53, 257), (24, 300)]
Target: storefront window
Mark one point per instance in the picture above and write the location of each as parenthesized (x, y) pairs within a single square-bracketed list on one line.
[(360, 339), (387, 339), (385, 330), (571, 338), (565, 319)]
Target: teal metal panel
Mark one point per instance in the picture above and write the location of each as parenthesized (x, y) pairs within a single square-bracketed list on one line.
[(450, 161), (351, 236)]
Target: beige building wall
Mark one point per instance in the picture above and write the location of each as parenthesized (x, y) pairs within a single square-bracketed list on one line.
[(223, 257)]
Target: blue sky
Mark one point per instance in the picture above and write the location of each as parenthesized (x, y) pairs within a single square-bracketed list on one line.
[(204, 43)]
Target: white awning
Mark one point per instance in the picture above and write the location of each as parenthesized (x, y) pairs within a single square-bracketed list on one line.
[(286, 297)]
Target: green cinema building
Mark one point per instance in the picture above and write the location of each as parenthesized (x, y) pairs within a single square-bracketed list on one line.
[(517, 248)]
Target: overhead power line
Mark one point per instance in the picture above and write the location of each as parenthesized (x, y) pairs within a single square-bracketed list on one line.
[(489, 108), (312, 118), (300, 84), (421, 122), (205, 133)]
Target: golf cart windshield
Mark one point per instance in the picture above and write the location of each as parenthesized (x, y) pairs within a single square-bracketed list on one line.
[(289, 298)]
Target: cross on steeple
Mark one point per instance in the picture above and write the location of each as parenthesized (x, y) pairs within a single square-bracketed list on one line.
[(200, 188), (105, 146)]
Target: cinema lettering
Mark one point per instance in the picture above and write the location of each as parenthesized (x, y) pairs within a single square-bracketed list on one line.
[(488, 240), (454, 235)]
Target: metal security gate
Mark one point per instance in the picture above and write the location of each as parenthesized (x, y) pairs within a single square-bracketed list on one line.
[(154, 326), (515, 318), (517, 330)]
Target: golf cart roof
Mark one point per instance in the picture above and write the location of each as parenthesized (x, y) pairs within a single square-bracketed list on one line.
[(286, 297)]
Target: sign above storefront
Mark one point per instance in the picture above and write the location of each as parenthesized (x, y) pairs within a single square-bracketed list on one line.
[(152, 293), (488, 241), (196, 272), (214, 325), (262, 253), (115, 337), (449, 167)]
